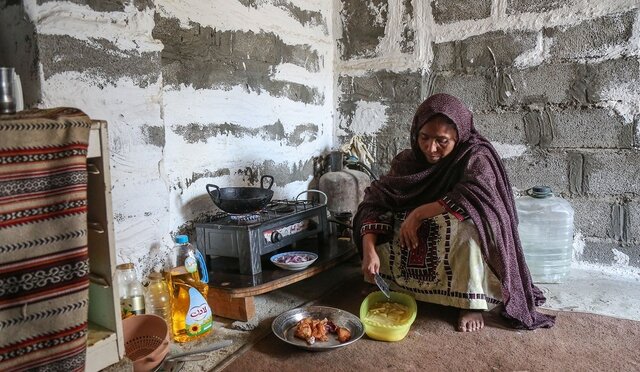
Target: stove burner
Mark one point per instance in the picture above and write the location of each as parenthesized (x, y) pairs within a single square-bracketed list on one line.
[(241, 219), (281, 208)]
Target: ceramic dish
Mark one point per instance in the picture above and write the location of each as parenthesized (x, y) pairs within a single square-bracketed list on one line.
[(284, 326), (296, 260)]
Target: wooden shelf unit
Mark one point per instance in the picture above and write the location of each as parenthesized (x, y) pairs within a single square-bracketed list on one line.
[(105, 345)]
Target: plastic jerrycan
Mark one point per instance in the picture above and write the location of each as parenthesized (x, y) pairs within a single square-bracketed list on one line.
[(187, 278), (546, 234)]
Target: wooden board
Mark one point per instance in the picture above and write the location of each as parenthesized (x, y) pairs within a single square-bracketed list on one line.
[(231, 294)]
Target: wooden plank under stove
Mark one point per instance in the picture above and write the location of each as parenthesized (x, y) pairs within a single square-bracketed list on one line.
[(231, 295)]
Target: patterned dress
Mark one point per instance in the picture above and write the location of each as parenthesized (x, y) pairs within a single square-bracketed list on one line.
[(447, 266)]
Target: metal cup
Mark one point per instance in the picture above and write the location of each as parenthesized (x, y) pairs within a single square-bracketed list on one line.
[(7, 98)]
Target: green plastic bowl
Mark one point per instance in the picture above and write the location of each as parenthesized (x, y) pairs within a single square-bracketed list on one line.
[(383, 332)]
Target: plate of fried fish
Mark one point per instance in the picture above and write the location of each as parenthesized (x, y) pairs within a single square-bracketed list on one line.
[(317, 328)]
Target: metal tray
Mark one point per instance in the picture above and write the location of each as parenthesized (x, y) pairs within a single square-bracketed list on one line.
[(283, 326)]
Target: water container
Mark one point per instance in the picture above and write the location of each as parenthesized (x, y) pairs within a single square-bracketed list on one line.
[(546, 233)]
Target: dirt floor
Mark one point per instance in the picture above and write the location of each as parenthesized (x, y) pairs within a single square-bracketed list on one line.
[(587, 289)]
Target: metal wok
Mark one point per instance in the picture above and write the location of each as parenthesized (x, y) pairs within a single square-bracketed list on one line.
[(242, 200)]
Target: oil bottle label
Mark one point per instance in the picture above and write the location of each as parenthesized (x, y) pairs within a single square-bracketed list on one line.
[(199, 318), (130, 306), (191, 264)]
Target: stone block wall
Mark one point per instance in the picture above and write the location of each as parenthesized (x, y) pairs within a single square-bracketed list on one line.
[(223, 91), (553, 84), (194, 92)]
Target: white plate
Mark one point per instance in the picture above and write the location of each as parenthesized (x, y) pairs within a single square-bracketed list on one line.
[(284, 326), (312, 257)]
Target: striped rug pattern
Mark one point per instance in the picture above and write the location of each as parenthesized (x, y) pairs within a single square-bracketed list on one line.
[(44, 262)]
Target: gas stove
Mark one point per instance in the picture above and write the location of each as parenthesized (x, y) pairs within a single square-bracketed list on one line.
[(247, 237)]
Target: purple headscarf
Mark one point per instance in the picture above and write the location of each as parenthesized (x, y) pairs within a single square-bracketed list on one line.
[(472, 176)]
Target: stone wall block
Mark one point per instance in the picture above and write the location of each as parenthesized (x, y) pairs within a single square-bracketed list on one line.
[(208, 58), (446, 11), (446, 56), (577, 129), (611, 172), (476, 91), (497, 48), (619, 226), (407, 41), (636, 132), (608, 252), (539, 168), (100, 58), (393, 137), (536, 6), (576, 173), (363, 26), (556, 83), (613, 80), (503, 127), (590, 38), (539, 128), (589, 128), (633, 209), (382, 86), (591, 216), (486, 51)]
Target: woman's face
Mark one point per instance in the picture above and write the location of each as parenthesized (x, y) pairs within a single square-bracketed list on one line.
[(436, 139)]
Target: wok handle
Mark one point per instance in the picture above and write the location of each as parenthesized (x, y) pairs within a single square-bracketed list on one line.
[(215, 197), (270, 178)]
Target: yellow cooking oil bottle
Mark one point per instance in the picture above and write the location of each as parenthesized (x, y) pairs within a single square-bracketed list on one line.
[(190, 312)]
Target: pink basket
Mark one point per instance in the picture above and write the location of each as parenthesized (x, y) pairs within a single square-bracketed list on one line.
[(146, 341)]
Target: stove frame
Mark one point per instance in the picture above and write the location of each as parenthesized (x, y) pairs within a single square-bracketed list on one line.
[(246, 240)]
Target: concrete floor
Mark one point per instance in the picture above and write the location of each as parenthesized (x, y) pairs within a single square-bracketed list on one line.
[(586, 289), (597, 290)]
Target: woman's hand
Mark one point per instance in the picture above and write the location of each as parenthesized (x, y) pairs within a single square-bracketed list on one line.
[(411, 224), (409, 230), (370, 259)]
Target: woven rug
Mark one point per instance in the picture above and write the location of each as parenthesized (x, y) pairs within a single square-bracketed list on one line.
[(578, 342), (43, 242)]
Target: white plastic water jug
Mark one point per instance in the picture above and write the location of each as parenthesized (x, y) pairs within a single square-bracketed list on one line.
[(546, 233)]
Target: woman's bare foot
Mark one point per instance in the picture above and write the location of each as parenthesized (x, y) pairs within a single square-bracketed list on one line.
[(470, 321)]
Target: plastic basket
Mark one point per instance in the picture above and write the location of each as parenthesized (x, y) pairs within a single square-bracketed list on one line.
[(146, 341)]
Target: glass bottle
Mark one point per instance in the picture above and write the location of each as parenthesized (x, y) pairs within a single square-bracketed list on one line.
[(130, 289), (191, 315), (157, 299)]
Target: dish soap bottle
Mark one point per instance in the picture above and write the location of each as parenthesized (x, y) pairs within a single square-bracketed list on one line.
[(191, 314)]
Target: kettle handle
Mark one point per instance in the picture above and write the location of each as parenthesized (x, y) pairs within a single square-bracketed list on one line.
[(215, 197), (266, 177), (326, 199)]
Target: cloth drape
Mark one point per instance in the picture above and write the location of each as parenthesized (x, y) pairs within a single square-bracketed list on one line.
[(44, 263)]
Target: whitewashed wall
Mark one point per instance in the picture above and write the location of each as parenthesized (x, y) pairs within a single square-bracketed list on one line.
[(153, 183)]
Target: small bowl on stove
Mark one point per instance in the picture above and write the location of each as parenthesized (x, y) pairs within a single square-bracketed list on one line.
[(296, 260)]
